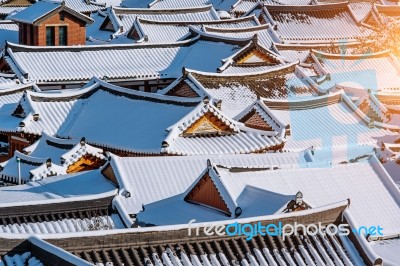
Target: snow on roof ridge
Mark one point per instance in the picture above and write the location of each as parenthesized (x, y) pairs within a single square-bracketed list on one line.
[(22, 47), (61, 200), (28, 158), (388, 7), (315, 98), (99, 84), (296, 8), (45, 136), (177, 10), (52, 95), (180, 226), (17, 88), (255, 73), (222, 21), (218, 38), (304, 46), (351, 56), (241, 29), (160, 97)]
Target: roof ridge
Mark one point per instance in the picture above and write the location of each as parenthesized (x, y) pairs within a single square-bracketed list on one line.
[(241, 29), (166, 10), (246, 18), (304, 8), (235, 75)]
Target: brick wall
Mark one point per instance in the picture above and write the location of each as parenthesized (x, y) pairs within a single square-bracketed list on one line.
[(76, 31)]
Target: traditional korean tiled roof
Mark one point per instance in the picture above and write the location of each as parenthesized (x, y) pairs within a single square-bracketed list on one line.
[(302, 52), (58, 189), (83, 6), (377, 71), (381, 15), (149, 179), (76, 64), (361, 8), (49, 156), (140, 247), (163, 4), (71, 115), (262, 31), (230, 137), (57, 224), (36, 12), (9, 99), (242, 187), (243, 6), (166, 31), (125, 17), (314, 23), (345, 126), (238, 92)]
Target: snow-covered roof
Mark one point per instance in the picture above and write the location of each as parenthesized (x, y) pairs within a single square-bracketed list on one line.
[(241, 187), (6, 10), (326, 121), (376, 71), (51, 147), (262, 31), (66, 188), (9, 99), (167, 31), (164, 121), (66, 225), (83, 6), (314, 23), (244, 6), (163, 4), (238, 92), (38, 11), (150, 179), (125, 17), (76, 64)]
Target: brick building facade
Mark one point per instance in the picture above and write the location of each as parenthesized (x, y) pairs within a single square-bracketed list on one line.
[(51, 24)]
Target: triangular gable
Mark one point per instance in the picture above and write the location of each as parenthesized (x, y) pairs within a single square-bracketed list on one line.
[(256, 116), (85, 163), (83, 157), (208, 191), (372, 19), (107, 25), (255, 54), (182, 89), (208, 124), (254, 120)]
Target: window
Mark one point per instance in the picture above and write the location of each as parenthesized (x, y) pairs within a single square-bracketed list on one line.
[(50, 40), (62, 35)]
